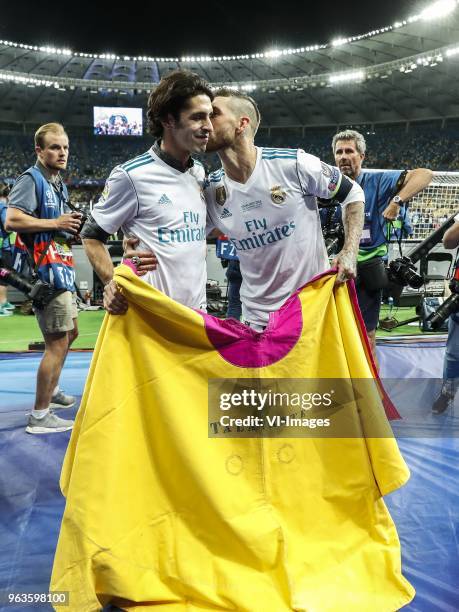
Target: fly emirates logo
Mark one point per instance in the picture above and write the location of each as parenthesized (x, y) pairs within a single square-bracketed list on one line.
[(261, 236), (191, 231)]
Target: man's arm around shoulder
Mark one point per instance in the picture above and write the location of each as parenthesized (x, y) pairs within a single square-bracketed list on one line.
[(94, 238)]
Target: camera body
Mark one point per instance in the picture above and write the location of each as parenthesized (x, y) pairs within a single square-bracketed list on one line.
[(334, 238), (84, 216), (403, 272), (332, 228), (38, 291)]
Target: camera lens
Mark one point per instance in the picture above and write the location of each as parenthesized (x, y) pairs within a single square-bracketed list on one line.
[(414, 280), (449, 307)]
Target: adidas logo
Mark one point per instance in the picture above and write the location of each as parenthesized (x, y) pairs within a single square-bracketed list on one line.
[(164, 199), (225, 213)]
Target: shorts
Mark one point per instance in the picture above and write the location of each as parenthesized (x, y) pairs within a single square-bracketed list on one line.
[(58, 315), (370, 306), (6, 259)]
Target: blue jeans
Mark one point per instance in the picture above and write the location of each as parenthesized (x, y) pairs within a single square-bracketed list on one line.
[(234, 277), (451, 363)]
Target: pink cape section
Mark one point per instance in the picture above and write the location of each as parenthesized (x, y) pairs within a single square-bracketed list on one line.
[(242, 346)]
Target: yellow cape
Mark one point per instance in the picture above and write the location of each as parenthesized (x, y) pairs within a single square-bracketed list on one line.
[(160, 515)]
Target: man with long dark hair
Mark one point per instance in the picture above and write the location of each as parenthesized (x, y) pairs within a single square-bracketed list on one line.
[(158, 196)]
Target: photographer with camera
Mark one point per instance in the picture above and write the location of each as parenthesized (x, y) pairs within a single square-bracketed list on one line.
[(39, 211), (386, 195), (451, 361)]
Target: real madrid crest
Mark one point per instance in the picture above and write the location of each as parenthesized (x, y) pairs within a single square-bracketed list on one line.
[(220, 195), (277, 195), (105, 193)]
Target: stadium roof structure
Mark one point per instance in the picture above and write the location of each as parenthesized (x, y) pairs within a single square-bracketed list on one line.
[(404, 72)]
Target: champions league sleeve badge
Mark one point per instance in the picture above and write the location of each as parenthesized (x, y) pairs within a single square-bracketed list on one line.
[(277, 195), (326, 170), (105, 192), (220, 195)]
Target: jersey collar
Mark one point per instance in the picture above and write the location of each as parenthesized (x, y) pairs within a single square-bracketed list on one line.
[(251, 178), (169, 160)]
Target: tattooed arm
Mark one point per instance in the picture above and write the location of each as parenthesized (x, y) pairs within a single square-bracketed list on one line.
[(346, 260)]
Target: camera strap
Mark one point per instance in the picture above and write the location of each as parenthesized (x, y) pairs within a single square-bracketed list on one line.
[(388, 227), (454, 264), (35, 266), (43, 254)]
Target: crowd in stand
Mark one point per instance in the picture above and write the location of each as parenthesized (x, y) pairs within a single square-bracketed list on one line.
[(91, 159), (393, 147)]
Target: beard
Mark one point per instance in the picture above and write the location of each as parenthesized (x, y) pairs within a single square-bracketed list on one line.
[(216, 143), (348, 171)]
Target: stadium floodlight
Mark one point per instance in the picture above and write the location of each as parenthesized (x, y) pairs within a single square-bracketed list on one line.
[(339, 41), (452, 52), (248, 87), (438, 9), (23, 80), (273, 53), (357, 75)]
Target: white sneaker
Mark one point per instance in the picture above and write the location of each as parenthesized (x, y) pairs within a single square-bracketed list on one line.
[(48, 424), (62, 400)]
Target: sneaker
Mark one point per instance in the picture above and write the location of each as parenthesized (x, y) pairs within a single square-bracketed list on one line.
[(48, 424), (441, 403), (61, 400), (4, 312), (8, 306)]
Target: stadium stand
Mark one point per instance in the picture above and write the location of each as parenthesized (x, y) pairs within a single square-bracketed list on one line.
[(92, 158)]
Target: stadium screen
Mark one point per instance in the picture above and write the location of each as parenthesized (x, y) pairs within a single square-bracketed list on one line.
[(117, 121)]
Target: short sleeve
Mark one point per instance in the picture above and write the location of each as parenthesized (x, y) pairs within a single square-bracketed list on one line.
[(23, 195), (118, 202), (388, 185), (317, 177), (324, 181)]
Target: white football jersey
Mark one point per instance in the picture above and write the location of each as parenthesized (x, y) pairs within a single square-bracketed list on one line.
[(166, 210), (273, 222)]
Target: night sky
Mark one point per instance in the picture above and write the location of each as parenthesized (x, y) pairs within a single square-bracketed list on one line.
[(211, 28)]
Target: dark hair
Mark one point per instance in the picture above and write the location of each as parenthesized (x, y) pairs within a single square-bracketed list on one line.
[(224, 92), (171, 97)]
